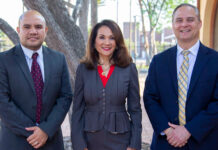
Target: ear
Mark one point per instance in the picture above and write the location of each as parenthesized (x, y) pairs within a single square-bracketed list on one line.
[(200, 24), (18, 29), (46, 29)]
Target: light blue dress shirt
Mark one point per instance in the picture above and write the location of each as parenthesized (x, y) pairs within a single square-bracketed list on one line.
[(192, 58)]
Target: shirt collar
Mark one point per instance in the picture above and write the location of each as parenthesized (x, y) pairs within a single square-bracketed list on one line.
[(193, 50), (28, 52)]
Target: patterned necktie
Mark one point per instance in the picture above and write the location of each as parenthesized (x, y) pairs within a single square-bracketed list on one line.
[(183, 86), (38, 85)]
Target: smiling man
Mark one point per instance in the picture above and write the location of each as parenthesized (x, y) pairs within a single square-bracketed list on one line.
[(35, 91), (181, 90)]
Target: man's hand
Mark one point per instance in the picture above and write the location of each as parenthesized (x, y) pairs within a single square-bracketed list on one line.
[(38, 138), (128, 148), (179, 135)]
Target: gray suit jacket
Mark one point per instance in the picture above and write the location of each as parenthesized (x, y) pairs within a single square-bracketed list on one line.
[(18, 99), (96, 108)]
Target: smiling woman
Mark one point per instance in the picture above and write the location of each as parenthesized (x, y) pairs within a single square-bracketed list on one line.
[(106, 80)]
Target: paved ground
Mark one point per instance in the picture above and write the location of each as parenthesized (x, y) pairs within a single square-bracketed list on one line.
[(146, 126)]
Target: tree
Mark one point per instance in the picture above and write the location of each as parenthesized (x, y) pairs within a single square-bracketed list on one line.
[(94, 12), (9, 31), (83, 19), (153, 10), (63, 35), (156, 10)]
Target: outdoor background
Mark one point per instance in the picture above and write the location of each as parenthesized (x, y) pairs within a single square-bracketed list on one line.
[(146, 26)]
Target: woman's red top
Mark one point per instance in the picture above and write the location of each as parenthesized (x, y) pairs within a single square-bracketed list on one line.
[(104, 79)]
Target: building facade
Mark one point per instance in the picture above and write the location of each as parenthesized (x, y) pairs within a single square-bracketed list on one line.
[(209, 16)]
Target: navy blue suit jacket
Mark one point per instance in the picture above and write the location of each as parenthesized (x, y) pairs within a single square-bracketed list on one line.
[(161, 99)]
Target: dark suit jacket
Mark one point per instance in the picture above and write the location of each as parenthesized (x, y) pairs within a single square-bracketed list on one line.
[(161, 99), (96, 108), (18, 99)]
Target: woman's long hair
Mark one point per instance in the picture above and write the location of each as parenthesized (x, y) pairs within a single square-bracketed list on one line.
[(120, 55)]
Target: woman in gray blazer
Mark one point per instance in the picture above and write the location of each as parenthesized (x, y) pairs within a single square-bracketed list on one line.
[(106, 109)]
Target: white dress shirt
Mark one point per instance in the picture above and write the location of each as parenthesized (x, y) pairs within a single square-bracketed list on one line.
[(28, 55), (192, 58)]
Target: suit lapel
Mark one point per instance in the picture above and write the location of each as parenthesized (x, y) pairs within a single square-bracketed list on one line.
[(47, 66), (200, 63), (173, 68), (21, 61)]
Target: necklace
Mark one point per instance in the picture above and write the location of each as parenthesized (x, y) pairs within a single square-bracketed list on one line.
[(105, 70)]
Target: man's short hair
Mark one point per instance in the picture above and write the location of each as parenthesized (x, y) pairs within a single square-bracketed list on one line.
[(189, 5)]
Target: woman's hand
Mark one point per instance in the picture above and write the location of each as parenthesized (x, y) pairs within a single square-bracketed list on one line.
[(85, 148)]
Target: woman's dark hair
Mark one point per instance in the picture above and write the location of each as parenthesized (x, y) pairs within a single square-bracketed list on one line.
[(120, 56)]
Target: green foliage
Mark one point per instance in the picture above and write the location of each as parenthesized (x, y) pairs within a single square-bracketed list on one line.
[(5, 42), (159, 12), (153, 8), (171, 5), (102, 2), (162, 46)]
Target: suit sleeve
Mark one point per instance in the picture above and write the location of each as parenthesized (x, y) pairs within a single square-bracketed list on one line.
[(11, 115), (204, 122), (77, 120), (151, 99), (134, 109), (63, 102)]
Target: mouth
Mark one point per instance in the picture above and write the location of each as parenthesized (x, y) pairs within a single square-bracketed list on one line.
[(106, 48), (33, 38), (185, 31)]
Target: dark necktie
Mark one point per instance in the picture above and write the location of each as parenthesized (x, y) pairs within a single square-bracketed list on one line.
[(38, 85)]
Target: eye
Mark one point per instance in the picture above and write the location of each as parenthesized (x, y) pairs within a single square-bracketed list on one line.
[(112, 38), (38, 26), (178, 20), (190, 19), (101, 37), (26, 26)]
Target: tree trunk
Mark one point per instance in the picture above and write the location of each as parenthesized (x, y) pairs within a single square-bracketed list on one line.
[(153, 44), (146, 44), (63, 35), (9, 31), (76, 10), (94, 12), (68, 6), (83, 19)]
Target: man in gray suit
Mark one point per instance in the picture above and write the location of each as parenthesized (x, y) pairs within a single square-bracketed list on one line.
[(35, 91)]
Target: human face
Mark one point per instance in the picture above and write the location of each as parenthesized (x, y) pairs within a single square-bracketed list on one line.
[(186, 25), (32, 30), (105, 43)]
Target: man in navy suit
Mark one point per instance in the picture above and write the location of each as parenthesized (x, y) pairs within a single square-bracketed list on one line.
[(181, 90), (35, 91)]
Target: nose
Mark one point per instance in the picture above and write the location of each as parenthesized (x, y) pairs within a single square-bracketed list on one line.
[(33, 31), (184, 23), (107, 41)]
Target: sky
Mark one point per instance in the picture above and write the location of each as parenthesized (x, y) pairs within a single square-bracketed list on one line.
[(10, 10)]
